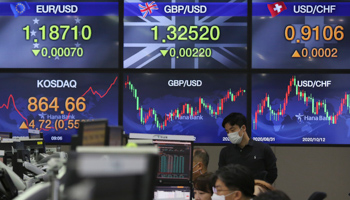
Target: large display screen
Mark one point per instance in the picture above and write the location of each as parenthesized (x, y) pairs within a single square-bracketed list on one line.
[(182, 104), (190, 34), (301, 108), (300, 34), (59, 34), (55, 103)]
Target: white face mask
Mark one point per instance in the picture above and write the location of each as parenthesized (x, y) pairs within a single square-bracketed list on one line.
[(220, 197), (235, 138)]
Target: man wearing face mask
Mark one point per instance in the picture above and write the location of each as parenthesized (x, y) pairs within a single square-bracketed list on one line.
[(200, 162), (233, 182), (256, 156)]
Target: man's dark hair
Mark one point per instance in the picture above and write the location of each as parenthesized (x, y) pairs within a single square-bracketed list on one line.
[(236, 177), (235, 119), (272, 195), (202, 154), (203, 183)]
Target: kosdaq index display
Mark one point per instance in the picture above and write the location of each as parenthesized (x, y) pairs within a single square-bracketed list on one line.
[(55, 103)]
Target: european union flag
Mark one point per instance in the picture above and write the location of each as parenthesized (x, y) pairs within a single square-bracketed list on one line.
[(19, 8)]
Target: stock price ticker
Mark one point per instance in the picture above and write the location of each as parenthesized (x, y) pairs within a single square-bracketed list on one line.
[(55, 103), (302, 109), (182, 104), (191, 34), (62, 34), (301, 35)]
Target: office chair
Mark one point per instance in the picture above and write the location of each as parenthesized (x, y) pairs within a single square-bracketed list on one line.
[(317, 196)]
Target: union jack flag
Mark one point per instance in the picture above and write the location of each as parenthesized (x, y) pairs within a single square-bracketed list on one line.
[(147, 8)]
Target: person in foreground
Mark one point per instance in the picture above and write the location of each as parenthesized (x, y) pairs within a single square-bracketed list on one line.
[(233, 182), (256, 156), (273, 195), (203, 187)]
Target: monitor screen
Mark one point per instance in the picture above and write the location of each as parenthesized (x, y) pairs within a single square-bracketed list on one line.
[(304, 34), (116, 135), (187, 34), (175, 161), (94, 132), (55, 103), (172, 192), (6, 146), (127, 176), (59, 34), (34, 144), (183, 103), (5, 135), (310, 109), (35, 135)]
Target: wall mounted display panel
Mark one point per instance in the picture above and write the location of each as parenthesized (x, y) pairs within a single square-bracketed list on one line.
[(182, 104), (59, 34), (300, 34), (54, 103), (302, 109), (190, 34)]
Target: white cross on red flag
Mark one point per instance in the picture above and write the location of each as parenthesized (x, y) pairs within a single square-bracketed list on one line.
[(276, 8)]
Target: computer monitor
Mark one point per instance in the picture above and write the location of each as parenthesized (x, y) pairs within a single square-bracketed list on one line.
[(34, 135), (93, 133), (175, 162), (107, 176), (115, 135), (16, 180), (34, 144), (5, 135), (6, 146), (172, 193)]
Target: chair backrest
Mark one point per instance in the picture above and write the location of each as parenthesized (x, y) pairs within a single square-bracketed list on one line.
[(318, 196)]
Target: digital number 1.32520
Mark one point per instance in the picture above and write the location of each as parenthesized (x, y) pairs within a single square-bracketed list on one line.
[(201, 33)]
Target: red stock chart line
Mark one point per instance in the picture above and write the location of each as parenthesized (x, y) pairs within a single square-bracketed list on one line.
[(186, 109), (90, 89), (317, 106)]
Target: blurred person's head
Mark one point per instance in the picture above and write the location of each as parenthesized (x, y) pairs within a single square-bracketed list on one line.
[(272, 195), (261, 187), (203, 187), (234, 182), (200, 162)]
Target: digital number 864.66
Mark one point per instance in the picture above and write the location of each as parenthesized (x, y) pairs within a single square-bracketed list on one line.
[(43, 104)]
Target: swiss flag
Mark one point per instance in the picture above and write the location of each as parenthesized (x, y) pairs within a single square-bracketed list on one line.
[(276, 8)]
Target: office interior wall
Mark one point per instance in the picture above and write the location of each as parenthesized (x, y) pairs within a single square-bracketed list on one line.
[(304, 170)]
